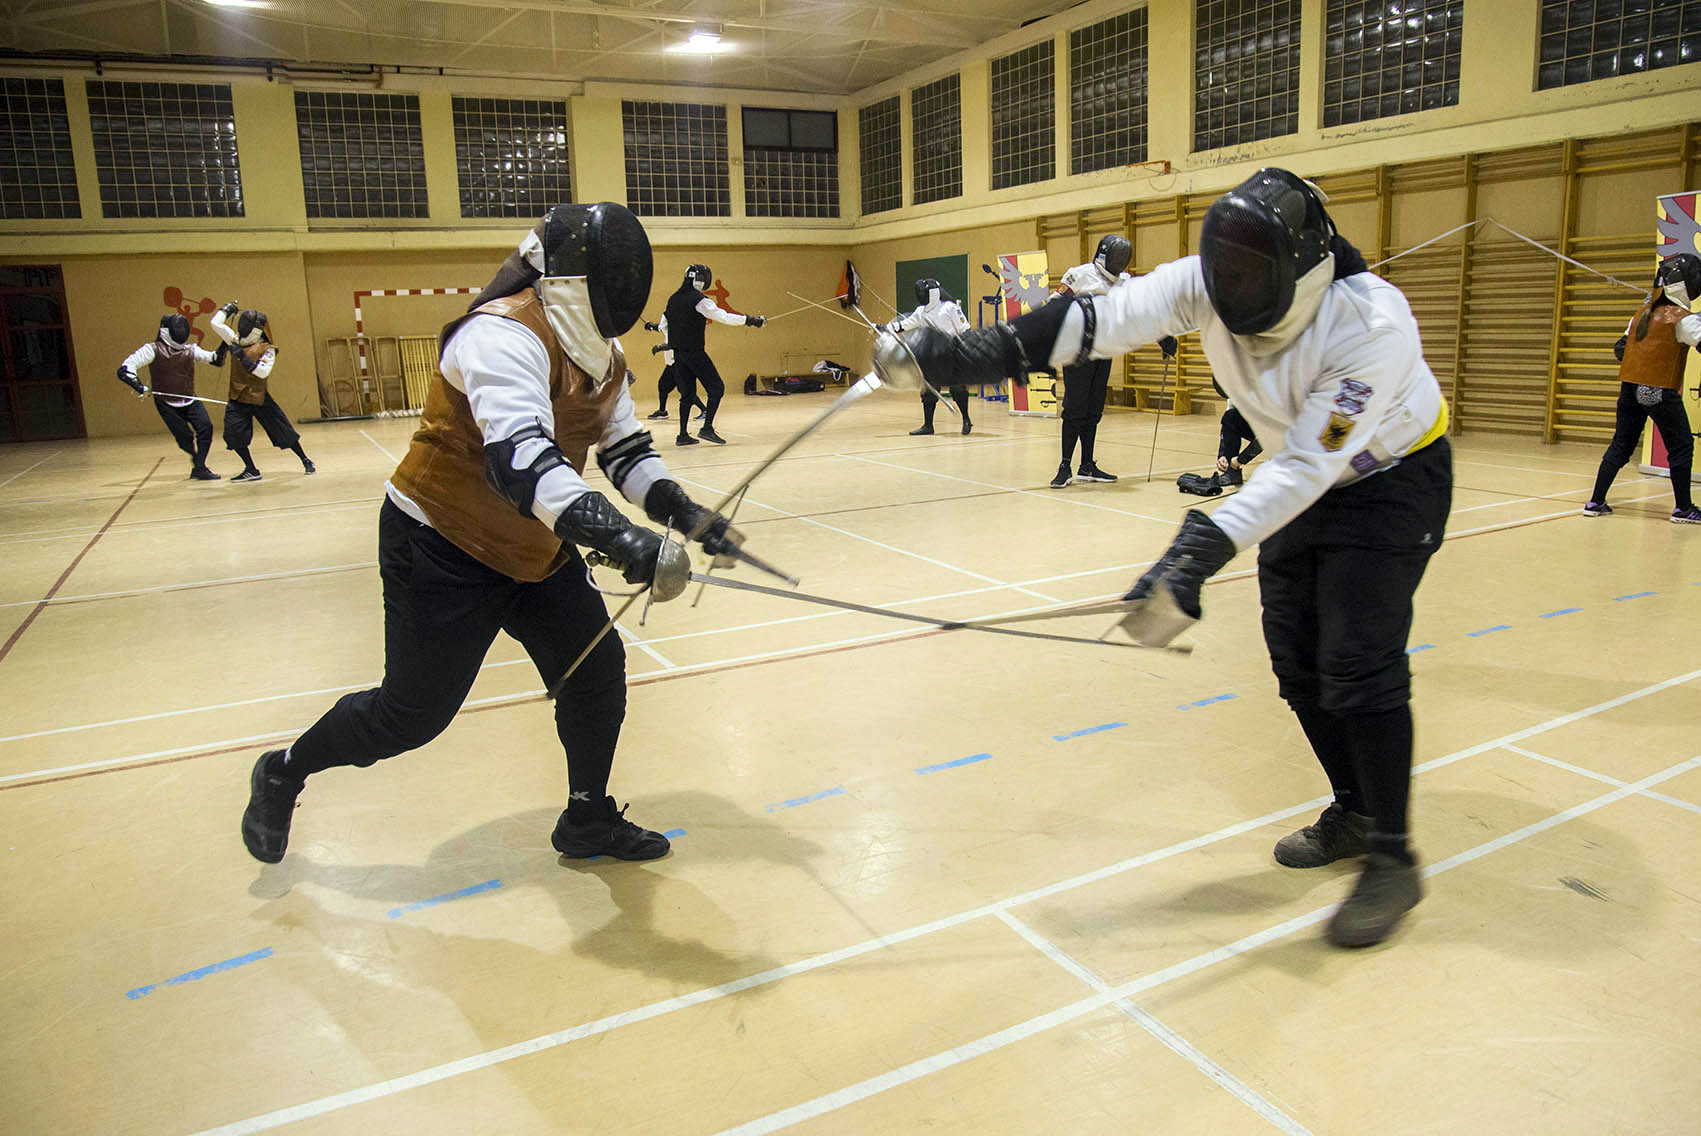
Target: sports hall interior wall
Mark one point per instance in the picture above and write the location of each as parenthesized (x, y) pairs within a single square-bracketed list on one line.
[(1486, 305)]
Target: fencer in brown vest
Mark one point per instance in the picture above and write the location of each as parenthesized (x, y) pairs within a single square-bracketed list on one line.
[(1651, 354), (248, 344), (170, 360), (482, 524)]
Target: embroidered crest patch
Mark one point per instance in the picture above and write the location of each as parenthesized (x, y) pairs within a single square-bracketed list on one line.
[(1334, 435)]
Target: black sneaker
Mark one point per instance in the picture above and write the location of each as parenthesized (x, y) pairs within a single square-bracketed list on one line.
[(920, 430), (271, 805), (1231, 477), (967, 425), (1596, 509), (202, 473), (708, 433), (1687, 515), (1337, 835), (608, 835), (307, 466), (1091, 472), (1388, 888), (247, 475), (1063, 478), (659, 414), (685, 440)]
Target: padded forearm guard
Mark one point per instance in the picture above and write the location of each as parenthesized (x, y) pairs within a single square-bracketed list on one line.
[(519, 486)]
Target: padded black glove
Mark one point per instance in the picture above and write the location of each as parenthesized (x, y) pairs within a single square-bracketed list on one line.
[(1618, 348), (754, 321), (667, 504), (230, 309), (660, 347), (131, 381), (648, 326), (1197, 553), (592, 521), (1168, 346)]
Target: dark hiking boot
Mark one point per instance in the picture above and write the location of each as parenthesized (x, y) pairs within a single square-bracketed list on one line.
[(1337, 835), (1388, 888), (271, 806)]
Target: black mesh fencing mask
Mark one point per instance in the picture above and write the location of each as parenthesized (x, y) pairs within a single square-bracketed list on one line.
[(925, 288), (1680, 278), (606, 244), (699, 277), (1113, 254), (252, 327), (1258, 239), (176, 327)]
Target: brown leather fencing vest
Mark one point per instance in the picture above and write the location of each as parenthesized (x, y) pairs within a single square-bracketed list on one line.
[(443, 471), (173, 368), (245, 385), (1652, 355)]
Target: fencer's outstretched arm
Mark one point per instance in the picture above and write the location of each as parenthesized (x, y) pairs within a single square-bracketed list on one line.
[(708, 308), (221, 325)]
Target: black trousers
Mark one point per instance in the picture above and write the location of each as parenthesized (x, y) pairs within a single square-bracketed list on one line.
[(1234, 433), (190, 425), (239, 418), (690, 368), (1084, 388), (1670, 419), (442, 610), (668, 383), (929, 401)]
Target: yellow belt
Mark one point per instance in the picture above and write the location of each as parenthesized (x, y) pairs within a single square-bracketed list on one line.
[(1433, 432)]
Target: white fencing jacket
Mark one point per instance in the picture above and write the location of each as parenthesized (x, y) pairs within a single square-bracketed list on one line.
[(945, 315), (1349, 396)]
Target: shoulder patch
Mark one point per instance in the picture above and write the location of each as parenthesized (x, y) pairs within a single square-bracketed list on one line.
[(1334, 434)]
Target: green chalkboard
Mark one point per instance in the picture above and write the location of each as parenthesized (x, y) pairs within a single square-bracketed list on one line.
[(951, 271)]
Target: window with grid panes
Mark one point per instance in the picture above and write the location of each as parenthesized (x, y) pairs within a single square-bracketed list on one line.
[(936, 140), (165, 149), (676, 159), (1107, 93), (1381, 59), (362, 154), (1024, 116), (38, 176), (880, 155), (1585, 40), (511, 156), (1245, 71), (791, 162)]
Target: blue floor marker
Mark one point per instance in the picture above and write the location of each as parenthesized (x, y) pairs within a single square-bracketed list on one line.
[(1207, 701), (1561, 611), (1088, 730), (487, 885), (201, 972), (1420, 647), (954, 764), (1489, 630), (835, 791), (1633, 596)]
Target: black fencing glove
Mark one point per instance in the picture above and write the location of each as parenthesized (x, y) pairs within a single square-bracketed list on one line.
[(1170, 588), (1618, 348), (131, 381), (230, 310), (667, 504), (660, 347), (754, 321), (1168, 346), (648, 326), (591, 521)]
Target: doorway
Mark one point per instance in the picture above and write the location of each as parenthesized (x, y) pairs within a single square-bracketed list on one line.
[(39, 400)]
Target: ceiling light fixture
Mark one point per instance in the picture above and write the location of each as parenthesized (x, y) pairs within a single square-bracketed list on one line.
[(702, 41), (240, 3)]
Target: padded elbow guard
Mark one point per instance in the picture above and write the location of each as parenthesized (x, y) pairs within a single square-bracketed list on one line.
[(619, 460), (518, 487)]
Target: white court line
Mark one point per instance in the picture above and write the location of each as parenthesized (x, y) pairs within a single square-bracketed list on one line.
[(927, 1066), (433, 1074), (632, 639), (215, 582), (26, 469), (879, 544), (381, 449), (1043, 494), (282, 512), (1149, 1022), (1591, 774), (1542, 497)]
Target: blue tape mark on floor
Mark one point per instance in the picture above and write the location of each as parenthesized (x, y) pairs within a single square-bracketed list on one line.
[(1633, 596), (835, 791), (1207, 701), (201, 972), (970, 760), (487, 885), (1489, 630), (674, 833), (1088, 730), (1561, 611), (1420, 647)]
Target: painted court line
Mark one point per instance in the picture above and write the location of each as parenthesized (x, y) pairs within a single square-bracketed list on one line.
[(381, 449), (27, 468), (970, 760), (1603, 777), (1088, 730), (433, 1074), (1489, 630), (835, 791), (446, 897), (200, 972)]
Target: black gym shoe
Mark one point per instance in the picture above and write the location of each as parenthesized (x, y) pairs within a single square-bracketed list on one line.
[(1063, 478), (708, 434), (1687, 515), (659, 414), (610, 834), (685, 440), (1388, 888), (271, 805), (1231, 477), (202, 473), (1091, 472), (307, 466), (247, 475), (1596, 509), (920, 430), (1337, 835), (967, 425)]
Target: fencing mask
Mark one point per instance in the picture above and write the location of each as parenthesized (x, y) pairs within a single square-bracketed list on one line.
[(929, 291), (699, 277), (174, 329), (593, 265), (252, 328), (1264, 248), (1113, 254), (1680, 277)]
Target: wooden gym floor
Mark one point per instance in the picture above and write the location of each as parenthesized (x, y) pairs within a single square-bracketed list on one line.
[(921, 881)]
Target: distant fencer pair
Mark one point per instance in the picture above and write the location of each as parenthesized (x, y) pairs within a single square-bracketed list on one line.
[(937, 310)]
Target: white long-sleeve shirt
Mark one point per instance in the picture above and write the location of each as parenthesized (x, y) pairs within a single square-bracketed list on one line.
[(503, 369), (228, 334), (711, 310), (1349, 396), (144, 355), (946, 316), (1090, 280), (667, 356)]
